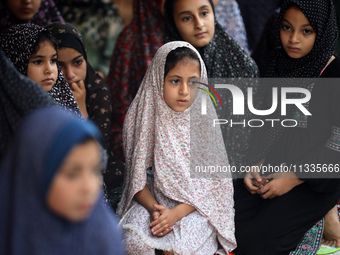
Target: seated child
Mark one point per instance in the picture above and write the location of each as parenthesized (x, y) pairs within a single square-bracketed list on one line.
[(33, 51), (164, 207), (50, 189)]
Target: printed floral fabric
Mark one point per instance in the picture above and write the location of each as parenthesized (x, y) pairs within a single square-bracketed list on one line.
[(193, 235), (174, 144), (47, 13), (229, 16), (311, 241), (100, 24), (134, 50)]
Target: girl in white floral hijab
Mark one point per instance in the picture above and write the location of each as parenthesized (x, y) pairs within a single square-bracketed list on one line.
[(169, 202)]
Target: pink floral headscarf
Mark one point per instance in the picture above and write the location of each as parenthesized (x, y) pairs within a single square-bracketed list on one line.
[(174, 143)]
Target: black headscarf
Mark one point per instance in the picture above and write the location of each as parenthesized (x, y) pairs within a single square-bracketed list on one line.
[(321, 15), (98, 97), (68, 36), (18, 97), (18, 45)]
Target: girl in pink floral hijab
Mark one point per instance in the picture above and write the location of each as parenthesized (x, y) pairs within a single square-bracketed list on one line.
[(169, 202)]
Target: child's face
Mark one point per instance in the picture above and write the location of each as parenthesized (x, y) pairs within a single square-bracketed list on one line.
[(195, 21), (72, 64), (297, 35), (176, 90), (23, 9), (42, 66), (76, 186)]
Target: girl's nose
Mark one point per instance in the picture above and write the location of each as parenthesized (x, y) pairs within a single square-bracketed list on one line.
[(294, 37), (184, 90), (69, 74), (49, 68), (90, 184), (198, 23)]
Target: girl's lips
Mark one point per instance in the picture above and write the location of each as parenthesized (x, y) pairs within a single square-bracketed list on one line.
[(182, 102), (293, 49), (48, 81), (200, 35), (26, 10), (85, 207)]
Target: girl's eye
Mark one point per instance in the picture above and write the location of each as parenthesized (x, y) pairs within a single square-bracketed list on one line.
[(78, 62), (285, 27), (307, 31), (186, 18), (71, 175), (37, 62), (54, 61), (193, 83), (205, 13), (174, 81)]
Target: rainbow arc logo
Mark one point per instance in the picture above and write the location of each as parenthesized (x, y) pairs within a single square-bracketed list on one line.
[(207, 91)]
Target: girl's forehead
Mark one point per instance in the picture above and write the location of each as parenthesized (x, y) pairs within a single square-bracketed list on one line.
[(302, 14), (316, 12), (295, 12), (179, 5), (45, 46), (295, 8), (188, 60)]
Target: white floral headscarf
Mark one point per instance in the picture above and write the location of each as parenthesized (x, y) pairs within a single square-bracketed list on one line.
[(173, 143)]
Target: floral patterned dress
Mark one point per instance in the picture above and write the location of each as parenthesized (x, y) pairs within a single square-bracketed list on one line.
[(173, 144)]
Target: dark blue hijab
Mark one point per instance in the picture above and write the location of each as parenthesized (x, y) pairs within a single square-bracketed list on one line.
[(43, 140)]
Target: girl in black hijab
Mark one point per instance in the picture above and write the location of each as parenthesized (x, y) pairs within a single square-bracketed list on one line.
[(92, 95), (21, 45), (223, 57), (18, 97), (283, 209)]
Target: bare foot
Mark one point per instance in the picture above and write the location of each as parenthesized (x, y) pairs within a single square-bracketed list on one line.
[(331, 233)]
